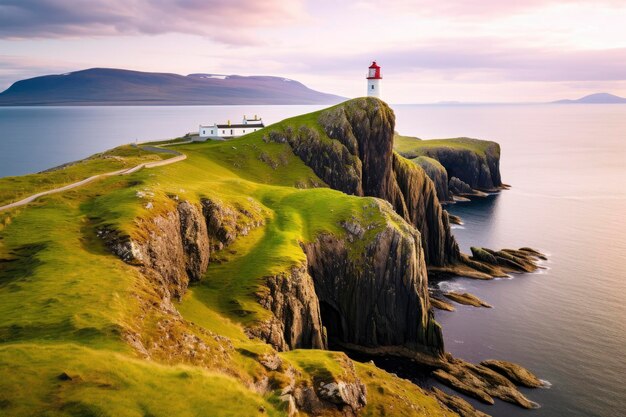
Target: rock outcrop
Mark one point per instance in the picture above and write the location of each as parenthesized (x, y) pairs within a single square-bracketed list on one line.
[(328, 393), (174, 248), (296, 321), (505, 260), (418, 204), (458, 187), (457, 404), (480, 382), (161, 251), (370, 292), (441, 304), (466, 299), (487, 264), (438, 175), (351, 149), (514, 372), (376, 298), (476, 163)]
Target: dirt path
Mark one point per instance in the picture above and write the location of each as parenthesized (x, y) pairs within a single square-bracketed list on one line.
[(179, 157)]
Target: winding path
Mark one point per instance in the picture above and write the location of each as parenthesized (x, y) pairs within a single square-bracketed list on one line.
[(160, 148)]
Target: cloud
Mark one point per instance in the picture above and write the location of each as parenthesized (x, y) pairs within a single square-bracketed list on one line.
[(13, 68), (228, 21), (472, 8), (481, 60)]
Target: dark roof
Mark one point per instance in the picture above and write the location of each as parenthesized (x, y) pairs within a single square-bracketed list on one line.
[(238, 126)]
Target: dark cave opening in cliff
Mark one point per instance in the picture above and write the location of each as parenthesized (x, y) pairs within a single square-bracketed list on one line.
[(331, 320)]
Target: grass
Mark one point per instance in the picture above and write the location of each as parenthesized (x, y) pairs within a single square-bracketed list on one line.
[(49, 294), (15, 188), (412, 147), (71, 380), (388, 395), (67, 303), (321, 365)]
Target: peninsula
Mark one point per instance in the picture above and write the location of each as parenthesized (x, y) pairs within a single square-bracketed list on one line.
[(237, 278)]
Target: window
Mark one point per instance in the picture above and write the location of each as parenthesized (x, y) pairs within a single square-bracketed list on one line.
[(211, 131), (244, 131), (231, 131), (223, 132), (372, 86)]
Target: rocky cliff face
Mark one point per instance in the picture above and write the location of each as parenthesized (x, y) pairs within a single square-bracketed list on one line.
[(421, 208), (480, 170), (356, 289), (177, 245), (296, 321), (351, 149), (438, 174), (377, 297)]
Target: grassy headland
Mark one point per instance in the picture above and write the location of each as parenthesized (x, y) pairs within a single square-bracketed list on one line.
[(71, 311)]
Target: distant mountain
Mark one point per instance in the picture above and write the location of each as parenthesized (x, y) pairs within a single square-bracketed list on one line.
[(106, 86), (598, 98)]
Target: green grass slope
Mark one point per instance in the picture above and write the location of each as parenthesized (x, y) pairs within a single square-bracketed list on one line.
[(412, 147), (15, 188), (69, 307)]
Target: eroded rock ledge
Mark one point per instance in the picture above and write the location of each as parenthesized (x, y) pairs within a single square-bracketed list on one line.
[(483, 382), (488, 264)]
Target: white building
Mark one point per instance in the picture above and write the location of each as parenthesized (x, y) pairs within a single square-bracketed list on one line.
[(373, 80), (230, 130)]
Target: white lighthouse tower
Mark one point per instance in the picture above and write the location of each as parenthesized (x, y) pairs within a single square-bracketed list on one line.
[(373, 80)]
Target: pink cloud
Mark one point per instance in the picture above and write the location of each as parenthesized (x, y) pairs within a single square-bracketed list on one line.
[(473, 8), (480, 61), (228, 21)]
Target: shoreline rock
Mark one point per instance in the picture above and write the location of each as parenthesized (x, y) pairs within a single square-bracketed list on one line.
[(488, 264), (441, 304), (457, 404), (466, 299), (454, 219), (480, 382), (516, 373)]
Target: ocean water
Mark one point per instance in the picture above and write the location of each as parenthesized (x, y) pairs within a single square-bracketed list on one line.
[(36, 138), (567, 168)]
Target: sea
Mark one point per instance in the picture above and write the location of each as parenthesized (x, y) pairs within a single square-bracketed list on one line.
[(566, 165)]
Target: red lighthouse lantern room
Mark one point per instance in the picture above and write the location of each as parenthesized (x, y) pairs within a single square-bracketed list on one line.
[(374, 72)]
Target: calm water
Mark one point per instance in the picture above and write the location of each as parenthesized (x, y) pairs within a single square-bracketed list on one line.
[(567, 166), (36, 138)]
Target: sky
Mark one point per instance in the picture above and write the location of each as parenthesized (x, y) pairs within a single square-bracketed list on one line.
[(429, 51)]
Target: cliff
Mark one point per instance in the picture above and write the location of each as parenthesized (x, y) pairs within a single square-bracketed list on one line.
[(210, 278), (438, 174), (377, 298), (468, 162), (350, 147), (365, 286)]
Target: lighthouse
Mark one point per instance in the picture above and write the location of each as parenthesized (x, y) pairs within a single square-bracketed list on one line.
[(373, 80)]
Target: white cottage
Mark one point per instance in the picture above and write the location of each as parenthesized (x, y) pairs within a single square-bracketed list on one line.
[(230, 130)]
